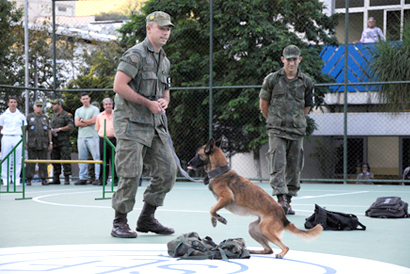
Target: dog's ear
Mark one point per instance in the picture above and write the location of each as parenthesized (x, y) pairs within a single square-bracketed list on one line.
[(209, 146), (218, 142)]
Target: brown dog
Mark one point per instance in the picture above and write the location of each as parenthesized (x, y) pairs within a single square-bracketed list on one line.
[(242, 197)]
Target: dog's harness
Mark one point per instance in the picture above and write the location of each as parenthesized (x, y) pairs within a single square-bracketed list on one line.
[(218, 171), (183, 172)]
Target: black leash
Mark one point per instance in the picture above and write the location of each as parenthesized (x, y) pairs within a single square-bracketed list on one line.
[(183, 172)]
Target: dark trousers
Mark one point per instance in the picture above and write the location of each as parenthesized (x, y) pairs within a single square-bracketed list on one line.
[(42, 168), (61, 152), (108, 155)]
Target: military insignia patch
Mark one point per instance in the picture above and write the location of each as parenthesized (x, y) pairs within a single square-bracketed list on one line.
[(134, 58)]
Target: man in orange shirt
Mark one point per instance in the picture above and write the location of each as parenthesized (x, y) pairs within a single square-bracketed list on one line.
[(106, 115)]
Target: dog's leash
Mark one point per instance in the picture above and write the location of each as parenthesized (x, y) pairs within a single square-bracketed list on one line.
[(178, 162)]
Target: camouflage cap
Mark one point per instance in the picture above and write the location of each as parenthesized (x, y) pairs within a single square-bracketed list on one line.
[(57, 101), (291, 51), (38, 103), (160, 17)]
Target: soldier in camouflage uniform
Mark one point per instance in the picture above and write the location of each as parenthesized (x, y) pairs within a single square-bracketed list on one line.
[(38, 142), (142, 86), (61, 123), (285, 98)]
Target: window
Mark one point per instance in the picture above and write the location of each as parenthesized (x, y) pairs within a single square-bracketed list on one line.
[(62, 8), (355, 154), (384, 2), (341, 4), (405, 153)]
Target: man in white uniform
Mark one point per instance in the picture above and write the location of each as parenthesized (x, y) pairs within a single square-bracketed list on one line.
[(11, 122)]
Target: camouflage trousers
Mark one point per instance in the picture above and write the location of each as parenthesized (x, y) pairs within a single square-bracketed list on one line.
[(61, 152), (130, 158), (285, 162), (42, 168)]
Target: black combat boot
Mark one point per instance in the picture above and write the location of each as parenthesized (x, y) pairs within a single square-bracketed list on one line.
[(147, 222), (56, 181), (44, 182), (282, 201), (290, 210), (28, 182), (120, 227), (67, 179)]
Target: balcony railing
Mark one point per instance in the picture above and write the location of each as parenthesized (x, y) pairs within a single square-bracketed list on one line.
[(358, 70)]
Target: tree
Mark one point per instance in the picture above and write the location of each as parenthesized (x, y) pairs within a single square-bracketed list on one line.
[(97, 71), (10, 16), (391, 63), (12, 55), (248, 41)]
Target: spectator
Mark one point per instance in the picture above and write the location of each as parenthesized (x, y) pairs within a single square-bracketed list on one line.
[(84, 119), (365, 174), (90, 167), (61, 124), (285, 98), (139, 129), (106, 115), (11, 123), (38, 142), (372, 34)]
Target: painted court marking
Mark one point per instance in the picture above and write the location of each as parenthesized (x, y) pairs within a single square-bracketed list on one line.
[(153, 258)]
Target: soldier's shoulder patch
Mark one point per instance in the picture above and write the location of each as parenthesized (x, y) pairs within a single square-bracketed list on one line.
[(134, 58), (69, 114)]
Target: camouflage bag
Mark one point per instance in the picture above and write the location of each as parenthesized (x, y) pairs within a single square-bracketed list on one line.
[(191, 246)]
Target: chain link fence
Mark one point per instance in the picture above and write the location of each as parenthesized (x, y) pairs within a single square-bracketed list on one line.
[(351, 124)]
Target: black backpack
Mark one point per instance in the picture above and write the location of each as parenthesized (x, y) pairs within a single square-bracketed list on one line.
[(388, 207), (191, 246), (333, 220)]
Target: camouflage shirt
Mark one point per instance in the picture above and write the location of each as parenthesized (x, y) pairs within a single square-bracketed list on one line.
[(287, 99), (61, 120), (37, 131), (150, 77)]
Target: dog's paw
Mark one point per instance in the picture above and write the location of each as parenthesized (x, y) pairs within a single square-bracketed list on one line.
[(214, 222), (223, 220)]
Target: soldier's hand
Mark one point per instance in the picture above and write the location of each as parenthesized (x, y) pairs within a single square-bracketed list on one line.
[(50, 147), (163, 103), (155, 107)]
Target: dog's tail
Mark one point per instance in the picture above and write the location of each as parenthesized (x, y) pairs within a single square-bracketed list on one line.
[(305, 234)]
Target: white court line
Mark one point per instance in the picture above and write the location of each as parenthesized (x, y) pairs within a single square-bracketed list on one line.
[(39, 200), (330, 195)]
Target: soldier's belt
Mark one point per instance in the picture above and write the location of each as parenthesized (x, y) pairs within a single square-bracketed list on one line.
[(151, 98)]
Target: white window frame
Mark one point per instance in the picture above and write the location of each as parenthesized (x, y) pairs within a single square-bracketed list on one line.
[(366, 8)]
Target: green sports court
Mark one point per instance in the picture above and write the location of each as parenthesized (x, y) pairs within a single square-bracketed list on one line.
[(63, 229)]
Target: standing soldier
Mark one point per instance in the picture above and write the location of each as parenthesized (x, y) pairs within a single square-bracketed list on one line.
[(38, 141), (285, 98), (142, 86), (61, 123)]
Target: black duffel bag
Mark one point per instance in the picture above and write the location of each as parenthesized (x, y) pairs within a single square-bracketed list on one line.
[(333, 220)]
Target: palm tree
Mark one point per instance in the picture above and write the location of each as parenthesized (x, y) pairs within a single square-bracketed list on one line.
[(391, 63)]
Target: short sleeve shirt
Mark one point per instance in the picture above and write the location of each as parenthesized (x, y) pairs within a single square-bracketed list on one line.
[(87, 113), (287, 100)]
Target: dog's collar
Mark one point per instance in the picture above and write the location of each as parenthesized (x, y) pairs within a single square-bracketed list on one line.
[(218, 171)]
